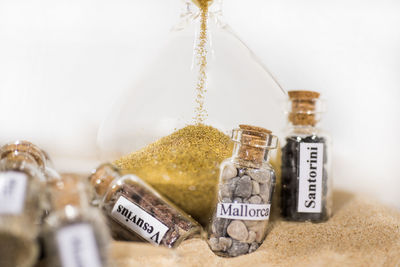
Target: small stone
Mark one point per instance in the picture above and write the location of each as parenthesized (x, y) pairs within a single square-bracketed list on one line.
[(219, 227), (241, 172), (238, 248), (225, 191), (258, 176), (238, 230), (264, 192), (259, 229), (256, 188), (252, 237), (237, 200), (244, 187), (232, 183), (255, 200), (253, 247), (225, 243), (214, 244), (229, 172)]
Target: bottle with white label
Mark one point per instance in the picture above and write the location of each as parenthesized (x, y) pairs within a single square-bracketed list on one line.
[(75, 234), (246, 185), (135, 211), (21, 189), (305, 191)]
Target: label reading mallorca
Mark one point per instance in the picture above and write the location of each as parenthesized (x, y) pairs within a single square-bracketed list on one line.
[(243, 211), (12, 192), (77, 246), (138, 220), (310, 177)]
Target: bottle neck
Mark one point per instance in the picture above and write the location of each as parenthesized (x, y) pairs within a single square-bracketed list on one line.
[(18, 161), (101, 180), (193, 8), (250, 156)]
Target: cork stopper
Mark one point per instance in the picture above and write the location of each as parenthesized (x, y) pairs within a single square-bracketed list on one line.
[(23, 146), (303, 107), (254, 142), (67, 191), (102, 177)]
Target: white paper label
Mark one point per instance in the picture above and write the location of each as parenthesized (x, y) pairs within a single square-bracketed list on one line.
[(12, 192), (77, 246), (138, 220), (310, 177), (243, 211)]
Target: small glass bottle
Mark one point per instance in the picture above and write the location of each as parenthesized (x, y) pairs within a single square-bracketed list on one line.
[(135, 211), (306, 193), (246, 185), (75, 234), (21, 191)]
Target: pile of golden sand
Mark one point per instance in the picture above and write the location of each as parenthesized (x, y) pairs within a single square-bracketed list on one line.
[(362, 232)]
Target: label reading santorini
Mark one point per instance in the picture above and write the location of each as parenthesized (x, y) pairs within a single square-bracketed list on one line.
[(12, 192), (138, 220), (77, 246), (310, 177), (243, 211)]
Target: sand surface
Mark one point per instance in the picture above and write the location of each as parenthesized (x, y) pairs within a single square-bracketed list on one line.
[(361, 232)]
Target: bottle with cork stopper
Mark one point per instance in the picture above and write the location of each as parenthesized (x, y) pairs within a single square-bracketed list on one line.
[(22, 184), (246, 185), (75, 233), (136, 212), (306, 183)]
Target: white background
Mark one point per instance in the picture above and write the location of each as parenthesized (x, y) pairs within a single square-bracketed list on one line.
[(62, 62)]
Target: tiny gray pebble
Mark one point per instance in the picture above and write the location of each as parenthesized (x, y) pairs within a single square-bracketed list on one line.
[(219, 226), (241, 172), (253, 247), (255, 200), (229, 172), (233, 183), (225, 243), (258, 176), (238, 230), (238, 248), (226, 191), (244, 187), (214, 244), (256, 188), (264, 192)]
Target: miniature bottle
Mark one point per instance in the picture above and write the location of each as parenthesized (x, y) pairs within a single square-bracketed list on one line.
[(21, 190), (245, 190), (135, 211), (306, 194), (75, 234)]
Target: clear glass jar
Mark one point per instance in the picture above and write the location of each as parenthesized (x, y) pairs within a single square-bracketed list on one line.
[(21, 204), (75, 234), (246, 186), (306, 183), (135, 211)]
